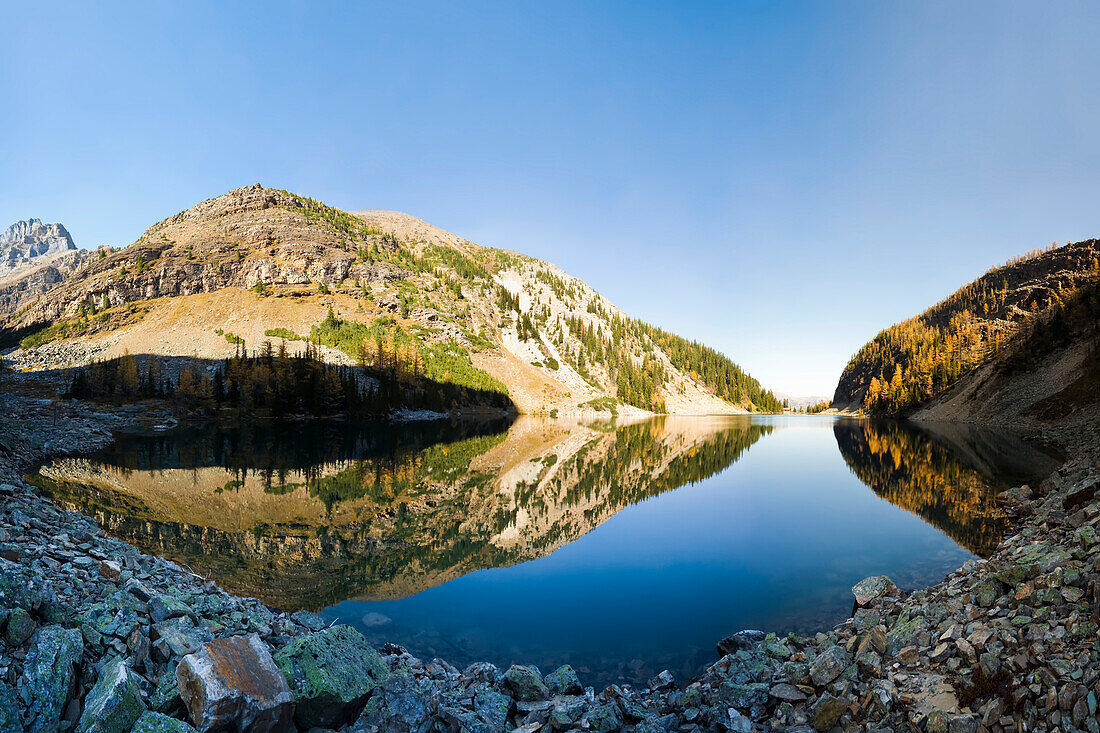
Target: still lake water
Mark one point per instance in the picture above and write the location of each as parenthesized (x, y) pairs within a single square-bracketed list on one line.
[(620, 549)]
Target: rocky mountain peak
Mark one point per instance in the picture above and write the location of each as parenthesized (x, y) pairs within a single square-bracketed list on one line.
[(29, 242)]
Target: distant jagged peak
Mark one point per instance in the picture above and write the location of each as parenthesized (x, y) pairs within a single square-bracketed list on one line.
[(30, 243), (32, 232)]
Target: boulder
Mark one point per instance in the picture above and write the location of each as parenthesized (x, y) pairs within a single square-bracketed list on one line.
[(331, 673), (869, 589), (828, 665), (827, 712), (151, 722), (564, 681), (20, 628), (114, 704), (162, 607), (49, 676), (524, 683), (233, 684), (746, 639), (399, 705)]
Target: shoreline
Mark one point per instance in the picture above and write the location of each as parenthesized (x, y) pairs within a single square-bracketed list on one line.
[(898, 661)]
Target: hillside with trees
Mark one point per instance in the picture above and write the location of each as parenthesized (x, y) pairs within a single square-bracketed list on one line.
[(1014, 310), (381, 290)]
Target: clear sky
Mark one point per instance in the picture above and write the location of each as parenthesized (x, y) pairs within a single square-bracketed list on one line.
[(778, 180)]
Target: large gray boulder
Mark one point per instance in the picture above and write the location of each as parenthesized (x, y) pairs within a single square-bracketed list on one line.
[(49, 676), (233, 685), (331, 674), (114, 704)]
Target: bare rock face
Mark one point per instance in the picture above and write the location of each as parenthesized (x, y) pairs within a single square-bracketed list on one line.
[(233, 685), (25, 242)]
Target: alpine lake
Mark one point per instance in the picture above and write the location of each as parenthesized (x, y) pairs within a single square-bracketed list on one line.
[(621, 549)]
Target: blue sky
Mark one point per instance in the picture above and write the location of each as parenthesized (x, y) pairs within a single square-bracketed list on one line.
[(778, 180)]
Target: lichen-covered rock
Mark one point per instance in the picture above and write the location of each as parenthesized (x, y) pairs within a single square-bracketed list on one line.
[(49, 677), (492, 708), (827, 712), (114, 704), (563, 681), (233, 684), (331, 673), (904, 633), (9, 709), (399, 705), (21, 587), (20, 628), (151, 722), (166, 696), (828, 665), (872, 588), (603, 718), (524, 683)]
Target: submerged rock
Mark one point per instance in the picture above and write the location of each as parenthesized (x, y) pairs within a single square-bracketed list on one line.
[(233, 684), (114, 704), (331, 673)]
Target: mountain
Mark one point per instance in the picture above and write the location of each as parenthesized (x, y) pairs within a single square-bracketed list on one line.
[(30, 243), (260, 264), (33, 258), (1018, 344)]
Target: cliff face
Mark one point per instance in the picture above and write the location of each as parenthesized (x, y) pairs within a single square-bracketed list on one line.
[(913, 362), (256, 260)]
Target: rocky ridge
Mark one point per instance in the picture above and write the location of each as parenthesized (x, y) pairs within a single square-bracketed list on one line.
[(100, 637), (256, 260)]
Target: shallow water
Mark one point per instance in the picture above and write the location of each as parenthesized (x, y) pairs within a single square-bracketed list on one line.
[(621, 549)]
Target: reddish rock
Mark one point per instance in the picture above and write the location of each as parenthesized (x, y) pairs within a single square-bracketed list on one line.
[(233, 684)]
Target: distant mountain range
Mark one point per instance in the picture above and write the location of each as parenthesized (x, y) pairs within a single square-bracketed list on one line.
[(259, 264)]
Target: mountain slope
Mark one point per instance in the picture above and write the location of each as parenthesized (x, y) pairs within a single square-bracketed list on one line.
[(260, 264), (981, 325)]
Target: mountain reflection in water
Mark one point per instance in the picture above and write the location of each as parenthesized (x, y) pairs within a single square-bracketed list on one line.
[(310, 515)]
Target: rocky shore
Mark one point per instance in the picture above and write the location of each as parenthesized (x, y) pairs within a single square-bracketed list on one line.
[(99, 637)]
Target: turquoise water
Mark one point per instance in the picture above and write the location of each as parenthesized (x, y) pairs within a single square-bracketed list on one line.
[(622, 550)]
